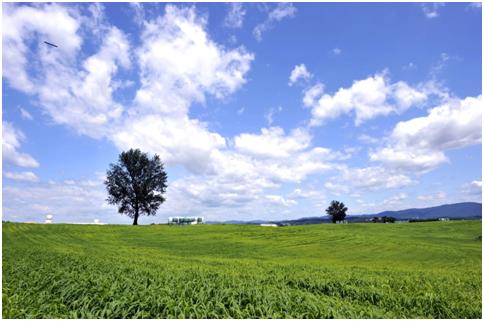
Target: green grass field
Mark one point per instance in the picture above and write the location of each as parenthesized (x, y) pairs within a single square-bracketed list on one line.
[(413, 270)]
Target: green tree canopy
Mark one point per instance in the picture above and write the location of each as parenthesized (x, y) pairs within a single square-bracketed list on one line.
[(337, 210), (136, 184)]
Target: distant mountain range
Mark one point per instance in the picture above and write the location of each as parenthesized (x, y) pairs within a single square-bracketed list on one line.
[(468, 210)]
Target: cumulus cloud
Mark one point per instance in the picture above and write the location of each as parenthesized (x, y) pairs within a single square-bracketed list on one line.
[(178, 140), (312, 94), (273, 142), (367, 179), (82, 98), (12, 138), (235, 16), (471, 191), (271, 163), (431, 10), (179, 58), (280, 12), (180, 65), (419, 143), (21, 23), (21, 176), (278, 199), (299, 73), (299, 193), (243, 173), (85, 100), (366, 99), (79, 202)]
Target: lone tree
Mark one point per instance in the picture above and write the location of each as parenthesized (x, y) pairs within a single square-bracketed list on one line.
[(136, 184), (337, 210)]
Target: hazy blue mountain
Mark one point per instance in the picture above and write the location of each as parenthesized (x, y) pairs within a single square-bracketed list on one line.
[(454, 211)]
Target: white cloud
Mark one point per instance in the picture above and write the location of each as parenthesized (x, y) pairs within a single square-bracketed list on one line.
[(431, 10), (79, 202), (454, 124), (336, 51), (419, 144), (85, 100), (21, 176), (439, 196), (11, 140), (21, 23), (312, 95), (25, 114), (240, 111), (409, 159), (270, 115), (235, 17), (278, 199), (82, 98), (178, 140), (366, 179), (275, 157), (273, 142), (367, 99), (395, 199), (180, 63), (298, 193), (406, 96), (476, 184), (241, 176), (139, 12), (299, 72), (280, 12), (375, 177), (472, 191), (438, 66), (367, 139)]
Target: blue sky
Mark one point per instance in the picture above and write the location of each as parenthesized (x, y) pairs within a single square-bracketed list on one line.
[(259, 111)]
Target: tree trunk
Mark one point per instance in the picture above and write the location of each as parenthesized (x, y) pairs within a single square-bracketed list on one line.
[(135, 222)]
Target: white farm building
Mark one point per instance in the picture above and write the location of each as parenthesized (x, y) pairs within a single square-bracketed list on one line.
[(185, 220)]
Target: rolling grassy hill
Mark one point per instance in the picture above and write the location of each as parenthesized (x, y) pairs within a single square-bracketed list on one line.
[(422, 270)]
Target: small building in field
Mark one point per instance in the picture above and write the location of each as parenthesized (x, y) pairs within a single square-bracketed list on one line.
[(185, 220), (444, 219), (48, 219), (270, 225)]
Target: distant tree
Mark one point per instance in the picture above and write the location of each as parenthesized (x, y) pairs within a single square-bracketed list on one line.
[(384, 219), (337, 210), (389, 219), (136, 184)]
